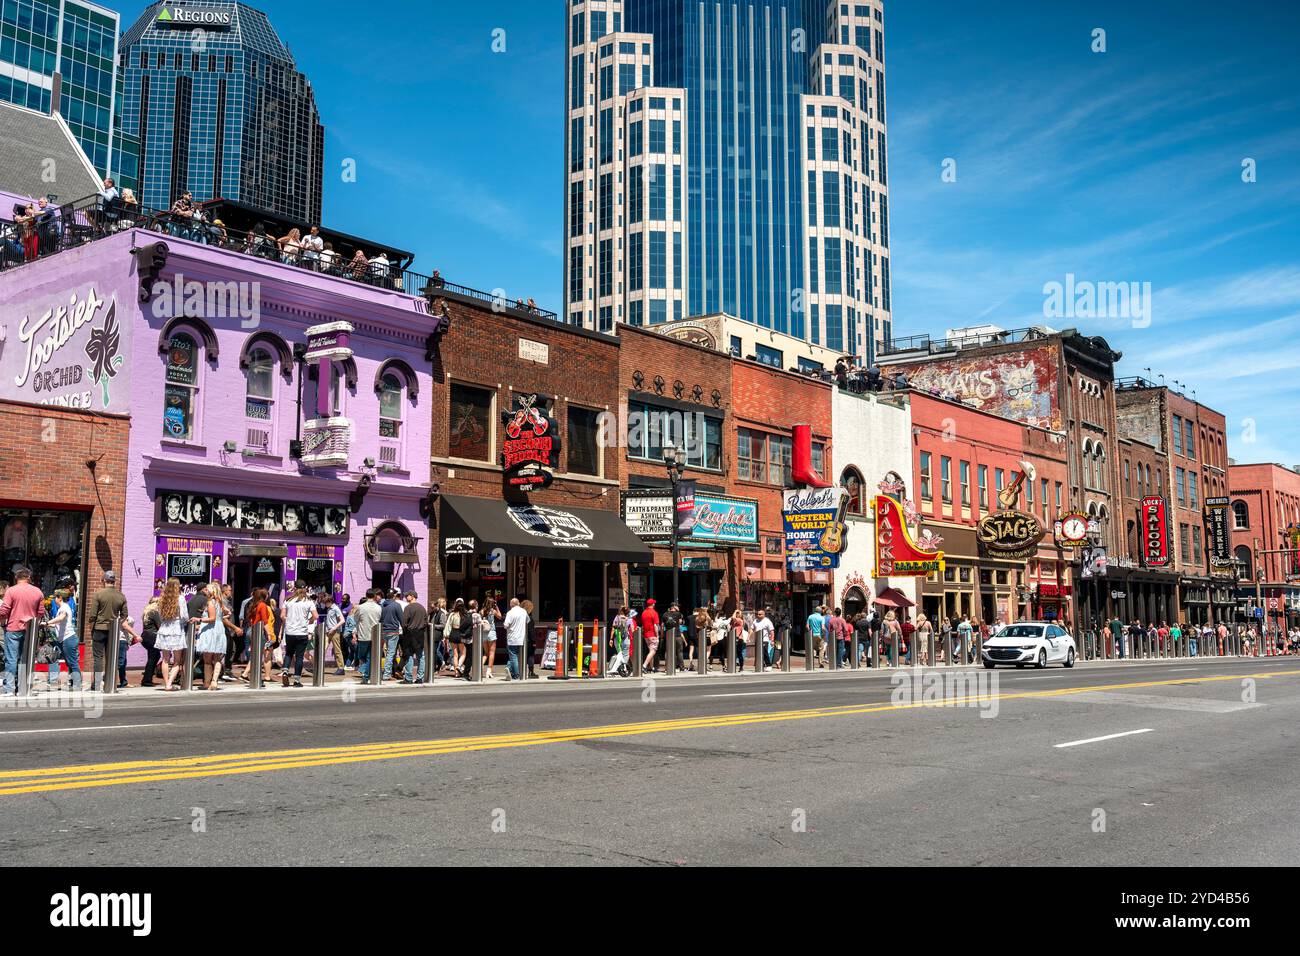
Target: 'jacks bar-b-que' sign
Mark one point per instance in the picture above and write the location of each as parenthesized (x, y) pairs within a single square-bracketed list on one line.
[(897, 555), (530, 452)]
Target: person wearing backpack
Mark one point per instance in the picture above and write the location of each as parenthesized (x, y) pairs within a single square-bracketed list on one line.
[(618, 632)]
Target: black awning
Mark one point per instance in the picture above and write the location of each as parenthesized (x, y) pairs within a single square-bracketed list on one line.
[(538, 531)]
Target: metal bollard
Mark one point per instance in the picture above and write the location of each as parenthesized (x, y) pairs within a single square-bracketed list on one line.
[(809, 653), (855, 652), (930, 648), (256, 650), (832, 650), (27, 659), (786, 661), (109, 681), (187, 675), (947, 653), (701, 650), (638, 651), (670, 651), (318, 656), (476, 663), (731, 650), (376, 657), (430, 656), (979, 646), (893, 649)]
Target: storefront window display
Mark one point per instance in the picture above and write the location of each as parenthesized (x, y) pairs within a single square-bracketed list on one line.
[(52, 544)]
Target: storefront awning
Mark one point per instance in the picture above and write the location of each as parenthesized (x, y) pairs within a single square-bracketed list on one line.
[(892, 597), (477, 525)]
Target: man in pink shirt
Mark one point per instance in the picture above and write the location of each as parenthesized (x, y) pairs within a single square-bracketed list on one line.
[(22, 603)]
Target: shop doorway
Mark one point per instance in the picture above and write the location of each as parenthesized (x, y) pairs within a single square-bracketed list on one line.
[(855, 602), (248, 574), (988, 608)]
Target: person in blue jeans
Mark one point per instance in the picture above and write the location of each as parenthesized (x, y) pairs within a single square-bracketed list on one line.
[(65, 635), (390, 623), (367, 616)]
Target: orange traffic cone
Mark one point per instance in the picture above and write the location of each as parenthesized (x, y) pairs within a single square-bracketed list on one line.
[(594, 669), (561, 652)]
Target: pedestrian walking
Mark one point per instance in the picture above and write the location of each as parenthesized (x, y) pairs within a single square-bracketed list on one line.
[(924, 634), (415, 626), (816, 635), (106, 606), (150, 621), (210, 644), (65, 642), (300, 617), (175, 617), (764, 634), (367, 614), (390, 627), (650, 635), (516, 623), (489, 614)]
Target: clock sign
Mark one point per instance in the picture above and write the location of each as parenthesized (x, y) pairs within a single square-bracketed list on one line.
[(1072, 530)]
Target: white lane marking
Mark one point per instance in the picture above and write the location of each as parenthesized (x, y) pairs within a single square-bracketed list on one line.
[(761, 693), (1205, 705), (69, 730), (1096, 740)]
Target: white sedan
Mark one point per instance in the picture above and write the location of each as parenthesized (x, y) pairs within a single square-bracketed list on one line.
[(1032, 642)]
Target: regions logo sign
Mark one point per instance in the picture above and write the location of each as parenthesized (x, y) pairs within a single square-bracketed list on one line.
[(191, 17), (1155, 531), (814, 528)]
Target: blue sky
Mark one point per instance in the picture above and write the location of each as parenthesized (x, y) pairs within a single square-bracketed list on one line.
[(1122, 166)]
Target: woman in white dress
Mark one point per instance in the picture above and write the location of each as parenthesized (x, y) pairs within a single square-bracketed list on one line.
[(171, 634), (210, 643)]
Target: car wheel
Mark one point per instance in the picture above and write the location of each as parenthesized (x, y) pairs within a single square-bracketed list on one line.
[(989, 664), (1042, 659), (1069, 658)]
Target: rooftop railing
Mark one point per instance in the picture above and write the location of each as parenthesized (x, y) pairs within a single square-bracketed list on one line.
[(71, 225), (929, 345)]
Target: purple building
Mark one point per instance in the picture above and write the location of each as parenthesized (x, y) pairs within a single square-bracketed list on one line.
[(279, 428)]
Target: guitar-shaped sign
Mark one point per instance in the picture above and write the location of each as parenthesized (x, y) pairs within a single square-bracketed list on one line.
[(832, 541)]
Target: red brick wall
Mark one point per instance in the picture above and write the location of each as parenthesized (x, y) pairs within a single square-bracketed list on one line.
[(43, 455), (482, 349)]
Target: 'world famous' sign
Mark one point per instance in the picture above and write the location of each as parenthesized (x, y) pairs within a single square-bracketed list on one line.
[(70, 353)]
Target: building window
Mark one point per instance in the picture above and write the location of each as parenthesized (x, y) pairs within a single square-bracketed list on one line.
[(259, 399), (1196, 545), (818, 458), (1245, 563), (391, 401), (984, 487), (751, 455), (1180, 485), (779, 451), (1128, 479), (945, 479), (1189, 441), (1193, 490), (852, 482), (965, 484), (584, 450), (1178, 435), (768, 355), (1183, 539), (651, 428), (1240, 515), (470, 434), (180, 402), (927, 493)]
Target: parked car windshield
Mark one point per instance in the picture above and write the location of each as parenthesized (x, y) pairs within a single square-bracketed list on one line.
[(1021, 630)]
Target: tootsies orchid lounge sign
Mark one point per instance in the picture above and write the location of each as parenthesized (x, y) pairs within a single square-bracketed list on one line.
[(67, 351)]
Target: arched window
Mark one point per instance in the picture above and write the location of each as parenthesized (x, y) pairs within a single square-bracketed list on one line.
[(392, 401), (259, 398), (1240, 515), (854, 485), (1245, 563), (181, 386)]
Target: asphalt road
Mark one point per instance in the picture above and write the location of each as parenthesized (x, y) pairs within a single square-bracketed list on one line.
[(1199, 767)]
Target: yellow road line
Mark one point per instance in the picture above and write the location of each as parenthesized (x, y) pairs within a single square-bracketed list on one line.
[(16, 782)]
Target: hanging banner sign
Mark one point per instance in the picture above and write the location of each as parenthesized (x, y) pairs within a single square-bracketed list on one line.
[(1155, 531), (530, 451), (1218, 534), (897, 555), (722, 519), (685, 508), (815, 533)]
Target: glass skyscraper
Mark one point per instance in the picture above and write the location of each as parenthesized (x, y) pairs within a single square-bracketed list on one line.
[(786, 217), (217, 105), (60, 56)]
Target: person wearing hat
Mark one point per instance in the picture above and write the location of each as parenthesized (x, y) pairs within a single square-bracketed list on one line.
[(650, 633), (673, 641)]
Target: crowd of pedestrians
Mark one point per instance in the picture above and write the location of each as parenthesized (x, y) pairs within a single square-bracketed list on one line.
[(1135, 638)]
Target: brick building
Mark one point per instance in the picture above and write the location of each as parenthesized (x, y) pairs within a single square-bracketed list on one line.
[(1143, 569), (1191, 440), (767, 402), (563, 546), (1059, 381), (1265, 516), (62, 495), (672, 392)]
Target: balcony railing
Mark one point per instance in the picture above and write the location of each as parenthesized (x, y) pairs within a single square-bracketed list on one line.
[(929, 345), (75, 224)]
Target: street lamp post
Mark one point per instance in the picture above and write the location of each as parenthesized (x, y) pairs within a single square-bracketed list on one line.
[(675, 463)]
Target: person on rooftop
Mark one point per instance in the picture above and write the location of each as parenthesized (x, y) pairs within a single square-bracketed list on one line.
[(312, 246)]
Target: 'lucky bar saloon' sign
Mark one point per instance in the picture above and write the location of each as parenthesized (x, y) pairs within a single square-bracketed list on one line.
[(897, 555), (530, 451), (1155, 531)]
